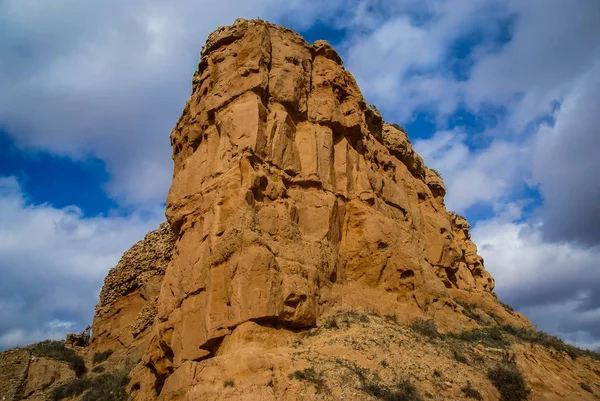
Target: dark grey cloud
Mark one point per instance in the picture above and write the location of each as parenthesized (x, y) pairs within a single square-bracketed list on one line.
[(567, 162)]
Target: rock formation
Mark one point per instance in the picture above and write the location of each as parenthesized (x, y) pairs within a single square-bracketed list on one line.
[(308, 255), (285, 183)]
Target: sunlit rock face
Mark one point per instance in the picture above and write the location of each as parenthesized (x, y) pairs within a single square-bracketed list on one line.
[(287, 184)]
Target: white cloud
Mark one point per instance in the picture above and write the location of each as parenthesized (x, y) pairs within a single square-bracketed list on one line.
[(485, 175), (52, 263), (541, 278), (109, 79)]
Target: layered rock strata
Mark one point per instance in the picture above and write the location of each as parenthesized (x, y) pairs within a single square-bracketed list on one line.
[(285, 184)]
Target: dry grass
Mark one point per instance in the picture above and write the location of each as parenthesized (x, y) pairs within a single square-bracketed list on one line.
[(56, 350)]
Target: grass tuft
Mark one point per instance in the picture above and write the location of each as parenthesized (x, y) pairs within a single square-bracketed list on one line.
[(509, 381), (470, 392), (427, 328), (310, 375), (100, 357), (106, 387), (58, 351)]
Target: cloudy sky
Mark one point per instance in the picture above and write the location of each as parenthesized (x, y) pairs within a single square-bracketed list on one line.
[(503, 98)]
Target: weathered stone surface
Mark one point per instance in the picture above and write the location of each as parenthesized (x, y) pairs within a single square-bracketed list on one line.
[(304, 234), (285, 183), (127, 304)]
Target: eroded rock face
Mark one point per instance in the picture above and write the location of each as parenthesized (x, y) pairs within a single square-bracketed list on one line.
[(285, 182), (127, 306)]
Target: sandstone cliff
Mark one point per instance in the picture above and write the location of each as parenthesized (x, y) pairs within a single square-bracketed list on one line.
[(309, 255)]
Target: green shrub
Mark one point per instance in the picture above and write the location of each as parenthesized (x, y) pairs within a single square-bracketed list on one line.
[(460, 357), (106, 387), (509, 381), (470, 392), (229, 383), (469, 311), (586, 387), (403, 390), (507, 307), (550, 341), (100, 357), (399, 127), (56, 350), (392, 318), (434, 171), (427, 328), (310, 375), (489, 336), (71, 389)]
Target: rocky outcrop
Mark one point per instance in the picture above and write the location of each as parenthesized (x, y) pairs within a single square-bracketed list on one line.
[(127, 306), (285, 184), (307, 255)]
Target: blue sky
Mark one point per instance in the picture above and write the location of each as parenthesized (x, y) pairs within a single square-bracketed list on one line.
[(500, 97)]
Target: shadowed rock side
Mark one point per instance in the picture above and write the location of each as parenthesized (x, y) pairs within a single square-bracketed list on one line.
[(287, 184), (127, 306)]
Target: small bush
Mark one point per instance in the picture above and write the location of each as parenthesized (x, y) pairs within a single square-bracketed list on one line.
[(331, 323), (507, 307), (310, 375), (98, 369), (586, 387), (403, 390), (229, 383), (56, 350), (460, 357), (108, 387), (434, 171), (100, 357), (489, 336), (427, 328), (399, 127), (470, 392), (392, 318), (70, 389), (469, 311), (509, 381)]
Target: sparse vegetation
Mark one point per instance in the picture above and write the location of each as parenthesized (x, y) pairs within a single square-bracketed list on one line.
[(488, 336), (403, 390), (460, 357), (509, 381), (470, 392), (229, 383), (331, 323), (427, 328), (586, 387), (98, 369), (58, 351), (469, 311), (507, 307), (310, 375), (100, 357), (106, 387), (550, 341), (392, 318), (399, 127), (434, 171)]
